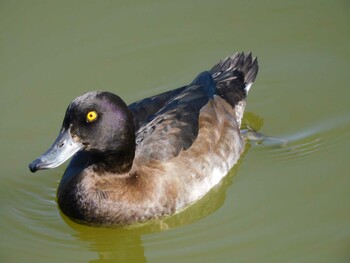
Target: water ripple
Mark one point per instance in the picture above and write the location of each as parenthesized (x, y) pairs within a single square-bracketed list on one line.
[(326, 135)]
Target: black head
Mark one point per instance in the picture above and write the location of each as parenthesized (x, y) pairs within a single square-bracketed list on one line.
[(101, 121), (98, 122)]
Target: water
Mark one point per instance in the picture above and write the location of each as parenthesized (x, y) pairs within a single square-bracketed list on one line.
[(281, 203)]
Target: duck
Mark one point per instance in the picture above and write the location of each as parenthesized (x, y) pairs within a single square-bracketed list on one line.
[(155, 157)]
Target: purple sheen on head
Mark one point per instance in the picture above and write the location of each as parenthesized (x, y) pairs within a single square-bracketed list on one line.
[(112, 107)]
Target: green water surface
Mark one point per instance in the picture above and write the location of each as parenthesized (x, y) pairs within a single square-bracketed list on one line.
[(281, 203)]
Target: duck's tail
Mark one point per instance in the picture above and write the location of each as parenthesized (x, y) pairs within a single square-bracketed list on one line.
[(234, 76)]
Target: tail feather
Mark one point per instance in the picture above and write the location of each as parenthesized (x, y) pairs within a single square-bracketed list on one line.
[(234, 76)]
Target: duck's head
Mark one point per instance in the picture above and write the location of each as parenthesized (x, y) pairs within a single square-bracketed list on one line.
[(98, 122)]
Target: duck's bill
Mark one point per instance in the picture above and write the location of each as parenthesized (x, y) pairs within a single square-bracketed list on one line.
[(61, 150)]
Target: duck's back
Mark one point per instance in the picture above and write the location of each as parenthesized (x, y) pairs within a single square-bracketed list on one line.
[(168, 123)]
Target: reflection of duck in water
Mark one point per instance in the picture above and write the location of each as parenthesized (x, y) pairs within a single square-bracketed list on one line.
[(156, 156)]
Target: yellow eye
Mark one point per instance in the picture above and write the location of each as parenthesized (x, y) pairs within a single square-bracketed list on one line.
[(91, 116)]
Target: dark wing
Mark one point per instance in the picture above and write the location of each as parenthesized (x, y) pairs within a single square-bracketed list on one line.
[(147, 108), (174, 126), (168, 123)]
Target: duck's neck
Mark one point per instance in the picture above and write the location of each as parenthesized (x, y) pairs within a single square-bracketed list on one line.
[(115, 162)]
